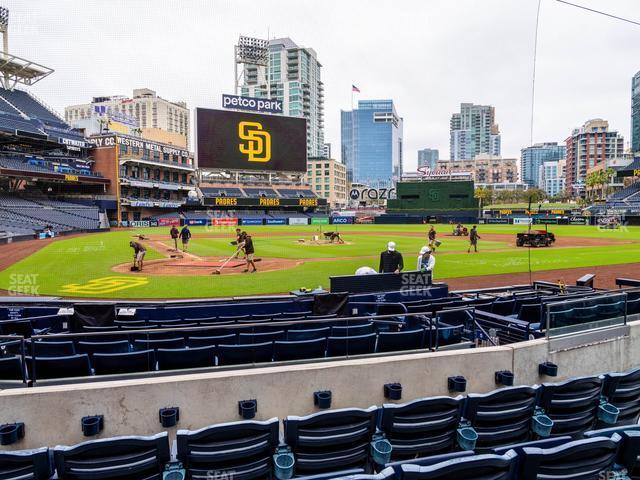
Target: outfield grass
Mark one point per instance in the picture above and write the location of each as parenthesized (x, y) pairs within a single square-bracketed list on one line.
[(81, 259)]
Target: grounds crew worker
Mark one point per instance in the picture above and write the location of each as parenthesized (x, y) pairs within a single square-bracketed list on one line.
[(473, 239), (185, 235), (432, 238), (391, 260), (247, 246), (138, 254), (426, 261), (174, 235)]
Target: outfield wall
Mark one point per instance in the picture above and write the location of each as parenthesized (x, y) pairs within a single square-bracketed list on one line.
[(52, 414)]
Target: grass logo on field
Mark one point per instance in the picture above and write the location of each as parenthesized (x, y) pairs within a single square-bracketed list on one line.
[(104, 285), (257, 142)]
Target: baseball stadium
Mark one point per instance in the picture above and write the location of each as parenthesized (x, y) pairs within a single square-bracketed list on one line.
[(170, 315)]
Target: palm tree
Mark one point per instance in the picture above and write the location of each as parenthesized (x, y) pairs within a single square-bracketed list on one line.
[(481, 193)]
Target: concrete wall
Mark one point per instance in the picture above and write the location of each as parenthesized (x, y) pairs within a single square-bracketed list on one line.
[(52, 414)]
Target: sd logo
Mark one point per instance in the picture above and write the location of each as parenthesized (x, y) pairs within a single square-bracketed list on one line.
[(257, 142)]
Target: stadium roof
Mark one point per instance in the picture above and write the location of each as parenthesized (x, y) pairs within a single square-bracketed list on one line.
[(15, 69)]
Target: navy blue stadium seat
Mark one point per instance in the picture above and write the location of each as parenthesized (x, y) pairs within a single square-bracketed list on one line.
[(247, 338), (502, 417), (174, 359), (342, 346), (118, 346), (308, 333), (397, 341), (299, 350), (330, 441), (530, 312), (455, 317), (241, 354), (26, 464), (572, 405), (114, 363), (633, 306), (11, 368), (50, 349), (623, 391), (135, 323), (154, 344), (503, 307), (352, 331), (476, 467), (610, 310), (197, 341), (421, 427), (580, 459), (59, 367), (130, 458), (99, 328), (241, 450)]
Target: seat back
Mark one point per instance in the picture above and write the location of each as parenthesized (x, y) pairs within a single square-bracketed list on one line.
[(240, 449), (332, 440), (502, 417), (11, 368), (572, 405), (580, 459), (153, 344), (114, 363), (49, 349), (294, 335), (59, 367), (340, 346), (198, 341), (421, 427), (174, 359), (118, 346), (248, 338), (397, 341), (299, 350), (131, 458), (26, 464), (476, 467), (352, 331), (241, 354), (623, 391)]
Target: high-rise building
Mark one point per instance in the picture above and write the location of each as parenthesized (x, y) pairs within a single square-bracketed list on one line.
[(327, 150), (532, 158), (552, 176), (371, 143), (588, 146), (328, 179), (292, 75), (635, 113), (484, 169), (474, 132), (155, 118), (428, 157)]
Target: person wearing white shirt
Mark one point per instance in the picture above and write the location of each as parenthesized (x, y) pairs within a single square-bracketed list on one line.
[(426, 261)]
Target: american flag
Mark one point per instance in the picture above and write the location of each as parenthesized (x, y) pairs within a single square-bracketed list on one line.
[(355, 89)]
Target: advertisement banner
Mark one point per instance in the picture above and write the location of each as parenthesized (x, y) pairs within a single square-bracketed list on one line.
[(547, 221), (251, 221), (522, 221), (276, 221), (298, 221), (502, 221), (341, 220), (140, 223), (364, 220), (578, 220), (169, 222), (250, 141), (224, 221), (319, 220), (203, 222)]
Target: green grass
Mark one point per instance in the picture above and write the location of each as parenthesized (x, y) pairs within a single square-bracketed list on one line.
[(82, 259)]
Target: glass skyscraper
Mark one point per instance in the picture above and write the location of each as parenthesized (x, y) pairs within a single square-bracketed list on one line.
[(428, 157), (532, 158), (474, 132), (635, 113), (371, 143)]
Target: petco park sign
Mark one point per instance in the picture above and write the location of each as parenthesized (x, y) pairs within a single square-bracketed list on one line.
[(262, 105)]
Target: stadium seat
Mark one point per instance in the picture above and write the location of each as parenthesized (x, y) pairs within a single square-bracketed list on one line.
[(530, 312), (174, 359), (572, 405), (421, 427), (240, 354), (352, 331), (502, 417), (154, 344), (303, 349), (114, 363), (50, 349), (476, 467), (11, 368), (344, 346), (59, 367), (240, 450), (197, 341), (135, 323), (248, 338), (118, 346), (580, 459), (107, 328), (130, 458), (397, 341), (633, 306), (503, 307), (623, 391), (26, 464), (330, 441), (308, 334)]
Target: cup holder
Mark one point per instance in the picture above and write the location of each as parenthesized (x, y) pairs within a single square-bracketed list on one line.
[(393, 391), (10, 433), (169, 417), (322, 399), (92, 425)]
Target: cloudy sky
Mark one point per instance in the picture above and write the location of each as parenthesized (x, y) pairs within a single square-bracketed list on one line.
[(427, 55)]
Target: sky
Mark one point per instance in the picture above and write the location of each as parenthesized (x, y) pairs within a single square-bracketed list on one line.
[(427, 55)]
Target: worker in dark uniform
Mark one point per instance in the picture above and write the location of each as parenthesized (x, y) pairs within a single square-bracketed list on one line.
[(138, 255), (473, 239), (249, 251), (391, 260), (432, 239)]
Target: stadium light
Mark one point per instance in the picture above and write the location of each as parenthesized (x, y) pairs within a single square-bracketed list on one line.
[(253, 51)]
